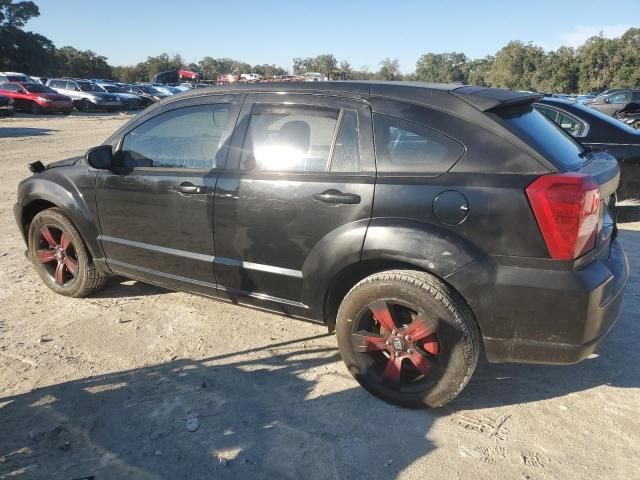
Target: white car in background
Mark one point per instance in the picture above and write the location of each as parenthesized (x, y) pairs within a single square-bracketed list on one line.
[(314, 77), (15, 77), (250, 77)]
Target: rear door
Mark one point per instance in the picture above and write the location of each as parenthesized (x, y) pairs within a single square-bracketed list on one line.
[(301, 169)]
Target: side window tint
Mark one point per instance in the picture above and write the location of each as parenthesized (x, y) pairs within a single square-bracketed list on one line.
[(288, 138), (188, 137), (403, 146), (345, 153), (635, 97)]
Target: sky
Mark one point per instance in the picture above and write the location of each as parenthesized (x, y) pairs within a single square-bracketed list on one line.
[(361, 32)]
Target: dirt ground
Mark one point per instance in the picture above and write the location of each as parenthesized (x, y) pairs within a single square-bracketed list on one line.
[(102, 387)]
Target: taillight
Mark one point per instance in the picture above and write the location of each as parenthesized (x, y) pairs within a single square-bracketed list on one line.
[(566, 206)]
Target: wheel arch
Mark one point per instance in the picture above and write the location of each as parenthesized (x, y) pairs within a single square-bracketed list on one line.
[(39, 194)]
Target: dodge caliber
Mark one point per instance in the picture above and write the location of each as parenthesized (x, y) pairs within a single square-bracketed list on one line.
[(424, 224)]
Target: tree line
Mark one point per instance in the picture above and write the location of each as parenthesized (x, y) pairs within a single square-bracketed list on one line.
[(598, 64)]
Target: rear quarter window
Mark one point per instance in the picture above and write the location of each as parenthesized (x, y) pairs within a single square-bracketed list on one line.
[(544, 136), (407, 147)]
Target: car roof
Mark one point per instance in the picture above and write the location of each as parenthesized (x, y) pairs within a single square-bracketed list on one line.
[(481, 98)]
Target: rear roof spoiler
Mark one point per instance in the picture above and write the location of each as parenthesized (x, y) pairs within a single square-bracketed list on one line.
[(485, 99)]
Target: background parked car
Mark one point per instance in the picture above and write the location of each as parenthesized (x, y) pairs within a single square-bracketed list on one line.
[(227, 78), (130, 101), (42, 80), (612, 101), (85, 95), (36, 98), (14, 77), (148, 93), (6, 105), (594, 129), (584, 98), (250, 77)]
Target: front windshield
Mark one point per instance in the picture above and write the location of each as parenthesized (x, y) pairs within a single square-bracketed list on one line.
[(113, 89), (37, 88), (149, 90)]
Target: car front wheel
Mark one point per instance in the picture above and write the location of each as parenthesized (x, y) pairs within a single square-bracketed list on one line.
[(60, 255), (35, 108), (87, 106), (408, 338)]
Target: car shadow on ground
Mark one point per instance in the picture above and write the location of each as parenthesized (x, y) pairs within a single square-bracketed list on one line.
[(121, 287), (11, 132), (263, 412)]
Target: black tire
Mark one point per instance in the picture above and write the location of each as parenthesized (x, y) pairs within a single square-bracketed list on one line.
[(54, 263), (35, 108), (450, 338), (87, 106)]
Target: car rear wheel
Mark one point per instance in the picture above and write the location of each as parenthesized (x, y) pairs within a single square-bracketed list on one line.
[(61, 257), (408, 338), (35, 108)]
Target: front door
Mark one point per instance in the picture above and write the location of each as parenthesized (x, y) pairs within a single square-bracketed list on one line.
[(156, 208), (300, 172)]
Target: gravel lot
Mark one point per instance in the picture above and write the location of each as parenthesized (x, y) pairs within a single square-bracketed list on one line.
[(104, 386)]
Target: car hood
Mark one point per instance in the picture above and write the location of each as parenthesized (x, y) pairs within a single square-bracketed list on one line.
[(130, 96), (67, 162)]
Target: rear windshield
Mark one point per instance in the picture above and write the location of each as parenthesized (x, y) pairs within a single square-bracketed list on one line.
[(544, 136)]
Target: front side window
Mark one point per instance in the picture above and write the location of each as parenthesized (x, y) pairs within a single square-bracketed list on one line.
[(406, 147), (289, 138), (635, 97), (188, 137)]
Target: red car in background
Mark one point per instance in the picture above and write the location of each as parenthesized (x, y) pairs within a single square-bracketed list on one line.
[(187, 73), (36, 98)]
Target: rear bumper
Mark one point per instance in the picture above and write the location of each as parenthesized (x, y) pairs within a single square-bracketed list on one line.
[(549, 316)]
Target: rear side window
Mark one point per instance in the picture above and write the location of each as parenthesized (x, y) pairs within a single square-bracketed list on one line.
[(544, 136), (635, 97), (289, 138), (188, 137), (406, 147)]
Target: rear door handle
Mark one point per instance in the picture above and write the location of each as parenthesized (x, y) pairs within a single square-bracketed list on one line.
[(189, 188), (337, 197)]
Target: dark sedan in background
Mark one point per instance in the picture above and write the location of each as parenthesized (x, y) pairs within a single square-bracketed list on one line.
[(6, 105), (594, 129)]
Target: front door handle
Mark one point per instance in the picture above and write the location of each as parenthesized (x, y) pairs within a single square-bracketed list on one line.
[(337, 197), (189, 188)]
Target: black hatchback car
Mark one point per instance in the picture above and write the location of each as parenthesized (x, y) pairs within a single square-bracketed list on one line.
[(595, 130), (422, 222)]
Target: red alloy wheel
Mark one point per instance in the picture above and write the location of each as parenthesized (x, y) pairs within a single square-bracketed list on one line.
[(402, 343), (58, 255)]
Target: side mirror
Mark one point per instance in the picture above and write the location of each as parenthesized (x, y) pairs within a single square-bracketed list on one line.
[(607, 100), (100, 157)]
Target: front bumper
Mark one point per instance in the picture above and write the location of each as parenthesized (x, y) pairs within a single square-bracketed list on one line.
[(108, 105), (554, 316), (6, 110), (57, 106)]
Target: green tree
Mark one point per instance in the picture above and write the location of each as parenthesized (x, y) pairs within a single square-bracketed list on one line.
[(389, 70), (517, 66), (441, 67), (475, 71)]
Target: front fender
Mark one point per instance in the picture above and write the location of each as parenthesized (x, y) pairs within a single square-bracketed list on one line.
[(75, 197)]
